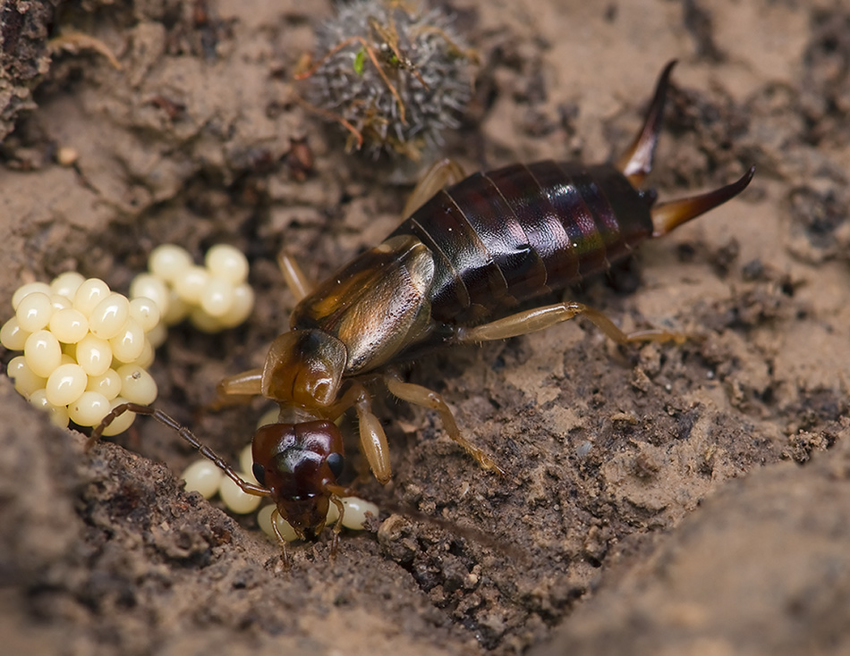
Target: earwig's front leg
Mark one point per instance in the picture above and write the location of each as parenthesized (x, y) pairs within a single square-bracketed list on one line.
[(441, 174), (298, 283), (338, 526), (239, 388), (426, 398), (280, 539), (549, 315), (373, 439)]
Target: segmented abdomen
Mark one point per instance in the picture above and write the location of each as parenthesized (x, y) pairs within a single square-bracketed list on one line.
[(505, 236)]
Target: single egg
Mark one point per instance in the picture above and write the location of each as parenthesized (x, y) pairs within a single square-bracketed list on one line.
[(109, 316), (137, 385), (42, 352), (108, 384), (240, 310), (149, 286), (69, 325), (25, 290), (58, 413), (264, 519), (190, 284), (12, 336), (227, 262), (204, 477), (89, 409), (94, 355), (217, 297), (235, 499), (66, 384), (355, 512), (90, 294), (26, 382), (122, 422), (128, 344), (145, 312), (169, 261), (66, 284), (34, 311)]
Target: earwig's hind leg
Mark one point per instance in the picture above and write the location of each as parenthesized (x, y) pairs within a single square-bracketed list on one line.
[(297, 282), (666, 216), (636, 162), (549, 315), (236, 389), (441, 174), (426, 398), (186, 434)]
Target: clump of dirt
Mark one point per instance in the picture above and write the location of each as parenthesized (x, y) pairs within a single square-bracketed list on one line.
[(633, 474)]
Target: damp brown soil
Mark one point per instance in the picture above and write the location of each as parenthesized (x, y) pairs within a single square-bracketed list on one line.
[(662, 499)]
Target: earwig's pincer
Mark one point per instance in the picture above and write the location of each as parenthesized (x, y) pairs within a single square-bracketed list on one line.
[(469, 251)]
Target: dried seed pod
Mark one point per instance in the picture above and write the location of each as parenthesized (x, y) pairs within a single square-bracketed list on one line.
[(393, 74)]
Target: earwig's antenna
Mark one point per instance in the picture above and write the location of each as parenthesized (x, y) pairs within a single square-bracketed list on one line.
[(182, 431)]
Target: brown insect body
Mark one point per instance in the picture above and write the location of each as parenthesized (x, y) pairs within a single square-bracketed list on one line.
[(466, 255)]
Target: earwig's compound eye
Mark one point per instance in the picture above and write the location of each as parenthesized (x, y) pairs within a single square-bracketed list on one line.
[(336, 463), (259, 473)]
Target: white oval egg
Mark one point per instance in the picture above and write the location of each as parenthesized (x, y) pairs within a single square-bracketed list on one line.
[(204, 477), (34, 311), (42, 352), (12, 336), (25, 290), (66, 384), (109, 316), (235, 499), (89, 294), (69, 325), (227, 262), (169, 261), (89, 409)]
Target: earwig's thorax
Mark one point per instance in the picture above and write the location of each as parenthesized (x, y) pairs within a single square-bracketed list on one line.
[(304, 367)]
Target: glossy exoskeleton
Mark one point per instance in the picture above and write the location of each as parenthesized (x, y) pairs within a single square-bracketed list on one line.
[(449, 274)]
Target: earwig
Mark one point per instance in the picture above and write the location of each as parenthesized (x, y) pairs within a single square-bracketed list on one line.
[(449, 274)]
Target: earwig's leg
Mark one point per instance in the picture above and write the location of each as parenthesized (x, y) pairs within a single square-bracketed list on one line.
[(666, 216), (280, 539), (441, 174), (186, 434), (426, 398), (373, 439), (636, 162), (338, 526), (548, 315), (295, 279), (239, 388)]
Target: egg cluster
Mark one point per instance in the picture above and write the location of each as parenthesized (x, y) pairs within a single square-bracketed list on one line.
[(204, 477), (86, 349), (213, 297)]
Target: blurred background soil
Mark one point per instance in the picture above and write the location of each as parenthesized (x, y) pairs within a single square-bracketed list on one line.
[(660, 499)]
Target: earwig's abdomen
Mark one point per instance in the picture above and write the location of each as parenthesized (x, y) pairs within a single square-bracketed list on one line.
[(502, 237)]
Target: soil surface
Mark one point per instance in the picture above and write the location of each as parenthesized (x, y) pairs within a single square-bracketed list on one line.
[(663, 499)]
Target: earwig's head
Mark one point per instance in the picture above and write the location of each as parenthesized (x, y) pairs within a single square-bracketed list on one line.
[(298, 462), (304, 368)]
